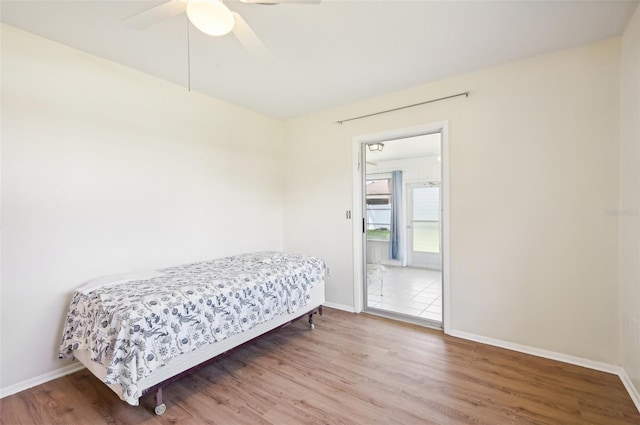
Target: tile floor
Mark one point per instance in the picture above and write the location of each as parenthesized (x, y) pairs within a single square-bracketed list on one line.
[(408, 290)]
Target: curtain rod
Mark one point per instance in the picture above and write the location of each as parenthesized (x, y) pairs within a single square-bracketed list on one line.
[(405, 107)]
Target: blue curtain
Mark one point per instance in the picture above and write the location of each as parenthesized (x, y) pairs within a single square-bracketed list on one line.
[(397, 240)]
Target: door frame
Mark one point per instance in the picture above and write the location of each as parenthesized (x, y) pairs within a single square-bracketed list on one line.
[(359, 274)]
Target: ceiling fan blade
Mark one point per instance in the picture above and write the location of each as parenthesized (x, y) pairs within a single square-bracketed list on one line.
[(249, 40), (154, 15), (282, 1)]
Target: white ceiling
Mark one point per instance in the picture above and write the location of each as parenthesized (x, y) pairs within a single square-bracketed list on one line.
[(328, 54)]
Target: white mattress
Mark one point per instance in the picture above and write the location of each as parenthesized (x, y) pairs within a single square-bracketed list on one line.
[(204, 353)]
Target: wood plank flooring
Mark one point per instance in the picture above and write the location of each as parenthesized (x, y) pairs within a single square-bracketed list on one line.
[(352, 369)]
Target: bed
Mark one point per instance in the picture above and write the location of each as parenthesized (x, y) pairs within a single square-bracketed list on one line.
[(138, 332)]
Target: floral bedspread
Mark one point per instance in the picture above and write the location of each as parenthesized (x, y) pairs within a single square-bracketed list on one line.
[(136, 327)]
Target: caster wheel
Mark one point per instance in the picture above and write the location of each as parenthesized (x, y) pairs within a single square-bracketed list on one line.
[(312, 326), (160, 409)]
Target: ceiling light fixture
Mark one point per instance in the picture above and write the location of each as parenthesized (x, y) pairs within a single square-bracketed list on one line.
[(210, 16), (376, 147)]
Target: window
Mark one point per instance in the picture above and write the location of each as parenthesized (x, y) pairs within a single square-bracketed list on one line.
[(426, 219), (378, 201)]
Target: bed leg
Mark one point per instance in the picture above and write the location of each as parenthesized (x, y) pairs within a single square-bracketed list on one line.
[(160, 406), (319, 311)]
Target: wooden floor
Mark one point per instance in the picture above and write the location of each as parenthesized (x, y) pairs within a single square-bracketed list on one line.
[(352, 369)]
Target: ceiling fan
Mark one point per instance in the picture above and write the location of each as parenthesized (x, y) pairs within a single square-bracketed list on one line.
[(212, 17)]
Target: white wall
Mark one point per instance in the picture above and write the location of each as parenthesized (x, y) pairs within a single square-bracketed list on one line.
[(629, 209), (533, 167), (104, 170)]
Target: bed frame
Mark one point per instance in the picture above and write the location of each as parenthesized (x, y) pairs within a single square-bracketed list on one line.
[(161, 407), (190, 362)]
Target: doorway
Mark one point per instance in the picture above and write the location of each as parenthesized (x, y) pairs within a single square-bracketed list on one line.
[(402, 228)]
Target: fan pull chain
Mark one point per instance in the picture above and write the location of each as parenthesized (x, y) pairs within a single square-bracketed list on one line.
[(188, 56)]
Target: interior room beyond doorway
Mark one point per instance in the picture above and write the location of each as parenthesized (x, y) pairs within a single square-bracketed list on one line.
[(402, 242)]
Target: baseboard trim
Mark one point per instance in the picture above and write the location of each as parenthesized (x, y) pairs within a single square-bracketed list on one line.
[(40, 379), (339, 307), (553, 355), (547, 354), (631, 389)]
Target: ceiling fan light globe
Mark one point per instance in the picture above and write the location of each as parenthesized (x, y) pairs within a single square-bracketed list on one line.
[(210, 17)]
